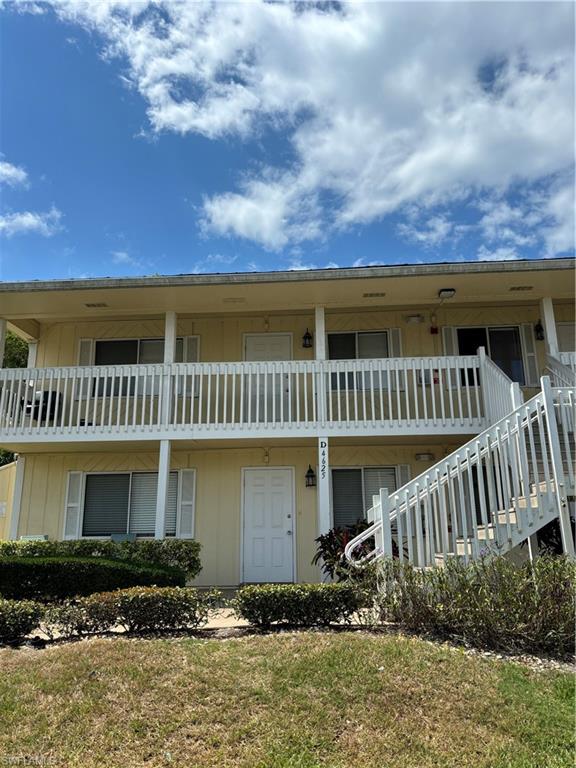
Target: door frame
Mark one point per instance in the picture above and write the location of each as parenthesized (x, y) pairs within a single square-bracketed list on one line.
[(292, 471), (488, 328), (246, 336)]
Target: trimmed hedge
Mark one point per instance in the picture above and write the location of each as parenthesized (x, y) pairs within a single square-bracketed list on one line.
[(137, 609), (490, 603), (17, 619), (302, 605), (56, 578), (172, 553)]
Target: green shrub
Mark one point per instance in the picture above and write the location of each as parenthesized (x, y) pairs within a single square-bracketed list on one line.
[(172, 553), (303, 605), (86, 615), (136, 609), (57, 578), (150, 608), (490, 603), (17, 619)]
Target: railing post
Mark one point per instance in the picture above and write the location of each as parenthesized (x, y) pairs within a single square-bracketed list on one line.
[(516, 395), (484, 384), (557, 467), (385, 522)]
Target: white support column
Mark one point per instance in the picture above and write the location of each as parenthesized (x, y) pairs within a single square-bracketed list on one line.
[(170, 337), (17, 498), (320, 334), (169, 357), (324, 522), (162, 493), (32, 354), (549, 322), (2, 341)]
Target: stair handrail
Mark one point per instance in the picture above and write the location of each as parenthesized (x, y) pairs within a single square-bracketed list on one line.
[(499, 392), (475, 449), (560, 373)]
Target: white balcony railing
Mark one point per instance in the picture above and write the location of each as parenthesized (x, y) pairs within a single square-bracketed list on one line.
[(569, 359), (423, 395)]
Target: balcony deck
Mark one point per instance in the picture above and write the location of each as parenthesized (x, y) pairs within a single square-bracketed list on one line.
[(183, 401)]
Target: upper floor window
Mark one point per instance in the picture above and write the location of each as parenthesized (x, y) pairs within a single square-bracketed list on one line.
[(131, 351), (358, 345)]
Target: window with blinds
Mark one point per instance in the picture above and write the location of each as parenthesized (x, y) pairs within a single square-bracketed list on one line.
[(126, 503), (131, 351), (353, 488), (355, 346)]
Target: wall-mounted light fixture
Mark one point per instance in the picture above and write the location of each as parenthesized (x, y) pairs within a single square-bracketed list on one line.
[(310, 477), (307, 340), (414, 319), (424, 457), (446, 293), (433, 324), (539, 331)]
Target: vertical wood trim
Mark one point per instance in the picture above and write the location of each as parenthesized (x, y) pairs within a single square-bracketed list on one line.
[(32, 354), (2, 341), (17, 497), (323, 486), (319, 333), (549, 322), (170, 337)]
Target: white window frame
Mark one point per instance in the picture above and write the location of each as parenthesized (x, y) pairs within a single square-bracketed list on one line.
[(138, 340), (356, 334), (130, 472), (488, 328), (362, 468)]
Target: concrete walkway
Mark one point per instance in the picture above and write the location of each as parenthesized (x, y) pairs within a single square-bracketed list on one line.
[(224, 618)]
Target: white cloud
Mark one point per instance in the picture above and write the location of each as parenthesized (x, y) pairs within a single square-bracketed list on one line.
[(385, 104), (435, 231), (124, 258), (28, 222), (504, 253), (214, 262), (12, 175)]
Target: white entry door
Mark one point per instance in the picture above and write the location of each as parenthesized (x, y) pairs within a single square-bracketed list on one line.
[(267, 393), (268, 525)]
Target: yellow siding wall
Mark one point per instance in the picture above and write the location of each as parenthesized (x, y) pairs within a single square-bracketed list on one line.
[(218, 494), (221, 339), (7, 478)]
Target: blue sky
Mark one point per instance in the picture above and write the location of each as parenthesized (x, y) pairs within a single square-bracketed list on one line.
[(168, 138)]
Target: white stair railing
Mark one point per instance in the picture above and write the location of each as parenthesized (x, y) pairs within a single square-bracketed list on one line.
[(561, 374), (487, 496), (501, 394)]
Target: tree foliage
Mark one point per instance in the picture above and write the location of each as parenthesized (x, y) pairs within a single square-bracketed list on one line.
[(15, 356)]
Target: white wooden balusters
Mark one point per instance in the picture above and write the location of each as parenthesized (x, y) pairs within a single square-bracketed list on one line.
[(402, 395), (489, 495)]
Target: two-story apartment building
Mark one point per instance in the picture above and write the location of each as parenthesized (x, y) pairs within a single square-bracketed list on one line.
[(255, 411)]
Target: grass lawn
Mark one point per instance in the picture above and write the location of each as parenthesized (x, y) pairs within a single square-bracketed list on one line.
[(300, 700)]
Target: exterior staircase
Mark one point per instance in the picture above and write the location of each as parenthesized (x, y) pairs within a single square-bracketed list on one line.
[(491, 494)]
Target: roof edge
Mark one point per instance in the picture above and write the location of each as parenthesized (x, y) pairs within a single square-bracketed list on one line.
[(243, 278)]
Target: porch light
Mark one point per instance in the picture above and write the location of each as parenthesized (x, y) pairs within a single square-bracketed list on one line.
[(446, 293), (424, 457), (539, 331), (307, 340), (310, 477)]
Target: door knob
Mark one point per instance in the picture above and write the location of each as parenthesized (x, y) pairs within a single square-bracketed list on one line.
[(289, 533)]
